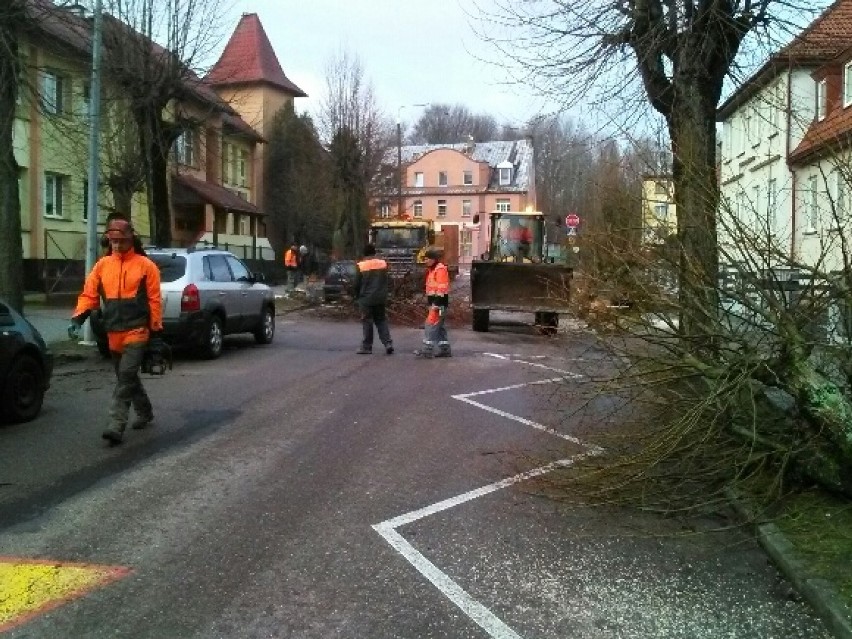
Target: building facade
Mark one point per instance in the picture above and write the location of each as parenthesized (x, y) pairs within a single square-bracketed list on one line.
[(458, 185)]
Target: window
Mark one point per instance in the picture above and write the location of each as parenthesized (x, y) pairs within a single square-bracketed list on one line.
[(418, 208), (242, 167), (384, 210), (503, 205), (226, 163), (442, 178), (841, 199), (238, 269), (755, 199), (245, 225), (772, 204), (741, 204), (468, 178), (216, 268), (85, 199), (465, 208), (86, 100), (466, 242), (52, 93), (185, 148), (418, 180), (821, 100), (812, 205), (661, 212), (660, 188), (847, 84), (442, 208), (505, 175), (53, 184), (747, 124)]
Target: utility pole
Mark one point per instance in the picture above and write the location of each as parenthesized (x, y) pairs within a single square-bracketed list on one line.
[(92, 243)]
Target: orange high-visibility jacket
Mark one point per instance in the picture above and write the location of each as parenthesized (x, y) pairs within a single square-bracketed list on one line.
[(438, 280), (127, 289), (290, 259)]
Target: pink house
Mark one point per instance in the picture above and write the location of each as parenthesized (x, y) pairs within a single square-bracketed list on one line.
[(458, 184)]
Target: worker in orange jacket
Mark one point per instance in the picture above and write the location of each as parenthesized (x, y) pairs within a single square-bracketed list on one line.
[(438, 297), (126, 286), (291, 264)]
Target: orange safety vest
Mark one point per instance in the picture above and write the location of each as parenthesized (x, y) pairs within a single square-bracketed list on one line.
[(438, 280), (290, 259), (127, 289)]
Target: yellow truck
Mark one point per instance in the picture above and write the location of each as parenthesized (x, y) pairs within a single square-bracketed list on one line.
[(516, 275), (402, 243)]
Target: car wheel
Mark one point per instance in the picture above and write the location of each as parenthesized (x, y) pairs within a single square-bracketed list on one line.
[(24, 391), (214, 335), (266, 330)]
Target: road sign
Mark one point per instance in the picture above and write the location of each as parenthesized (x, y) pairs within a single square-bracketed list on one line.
[(572, 220), (571, 231), (572, 239)]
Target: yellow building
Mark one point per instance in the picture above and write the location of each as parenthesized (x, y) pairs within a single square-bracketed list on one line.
[(659, 214), (215, 165)]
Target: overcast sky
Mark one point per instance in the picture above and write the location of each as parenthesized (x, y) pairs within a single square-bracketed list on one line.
[(411, 52)]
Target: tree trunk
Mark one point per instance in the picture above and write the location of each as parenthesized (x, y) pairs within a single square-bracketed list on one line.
[(11, 251), (692, 130), (156, 140)]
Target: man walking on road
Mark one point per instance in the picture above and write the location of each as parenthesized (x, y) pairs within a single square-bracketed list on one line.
[(371, 295), (438, 297), (291, 264), (126, 286)]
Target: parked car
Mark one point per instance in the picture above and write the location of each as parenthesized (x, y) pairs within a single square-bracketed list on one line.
[(26, 365), (338, 280), (207, 294)]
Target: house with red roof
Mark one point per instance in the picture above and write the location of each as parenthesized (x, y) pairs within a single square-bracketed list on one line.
[(782, 147)]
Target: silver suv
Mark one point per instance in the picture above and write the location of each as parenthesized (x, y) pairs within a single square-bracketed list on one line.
[(209, 293)]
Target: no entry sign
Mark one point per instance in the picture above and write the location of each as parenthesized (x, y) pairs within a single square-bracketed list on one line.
[(572, 220)]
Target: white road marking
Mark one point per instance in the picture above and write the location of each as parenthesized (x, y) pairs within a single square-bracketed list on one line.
[(477, 612), (535, 365)]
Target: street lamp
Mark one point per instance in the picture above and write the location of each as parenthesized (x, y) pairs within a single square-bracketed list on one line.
[(399, 207)]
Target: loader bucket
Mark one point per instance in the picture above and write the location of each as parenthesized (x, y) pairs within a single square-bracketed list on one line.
[(515, 286)]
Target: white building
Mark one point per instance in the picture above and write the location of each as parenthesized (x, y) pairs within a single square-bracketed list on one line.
[(764, 185)]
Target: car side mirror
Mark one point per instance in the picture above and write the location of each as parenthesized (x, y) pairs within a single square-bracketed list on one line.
[(260, 278)]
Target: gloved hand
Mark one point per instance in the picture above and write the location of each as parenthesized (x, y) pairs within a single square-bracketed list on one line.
[(74, 331)]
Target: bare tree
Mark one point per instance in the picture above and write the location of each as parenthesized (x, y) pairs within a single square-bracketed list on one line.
[(13, 22), (358, 134), (445, 124), (152, 48), (682, 53)]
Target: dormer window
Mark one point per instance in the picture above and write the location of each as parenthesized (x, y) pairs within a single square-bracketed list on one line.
[(822, 100), (504, 170)]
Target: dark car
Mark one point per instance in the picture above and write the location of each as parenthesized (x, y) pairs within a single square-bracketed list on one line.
[(338, 280), (25, 367)]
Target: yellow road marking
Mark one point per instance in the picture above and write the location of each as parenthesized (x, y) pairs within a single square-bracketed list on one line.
[(29, 587)]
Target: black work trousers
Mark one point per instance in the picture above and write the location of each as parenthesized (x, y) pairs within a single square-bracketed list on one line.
[(374, 314)]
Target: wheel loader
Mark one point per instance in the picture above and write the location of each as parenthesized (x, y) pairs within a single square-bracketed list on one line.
[(515, 275)]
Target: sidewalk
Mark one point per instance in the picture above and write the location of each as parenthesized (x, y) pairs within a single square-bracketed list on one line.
[(51, 321)]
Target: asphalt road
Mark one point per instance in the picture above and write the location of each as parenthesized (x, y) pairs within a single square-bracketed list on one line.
[(301, 490)]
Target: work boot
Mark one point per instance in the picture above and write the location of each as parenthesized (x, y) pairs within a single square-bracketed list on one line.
[(389, 349), (444, 353), (142, 422), (113, 436), (423, 353), (364, 351)]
